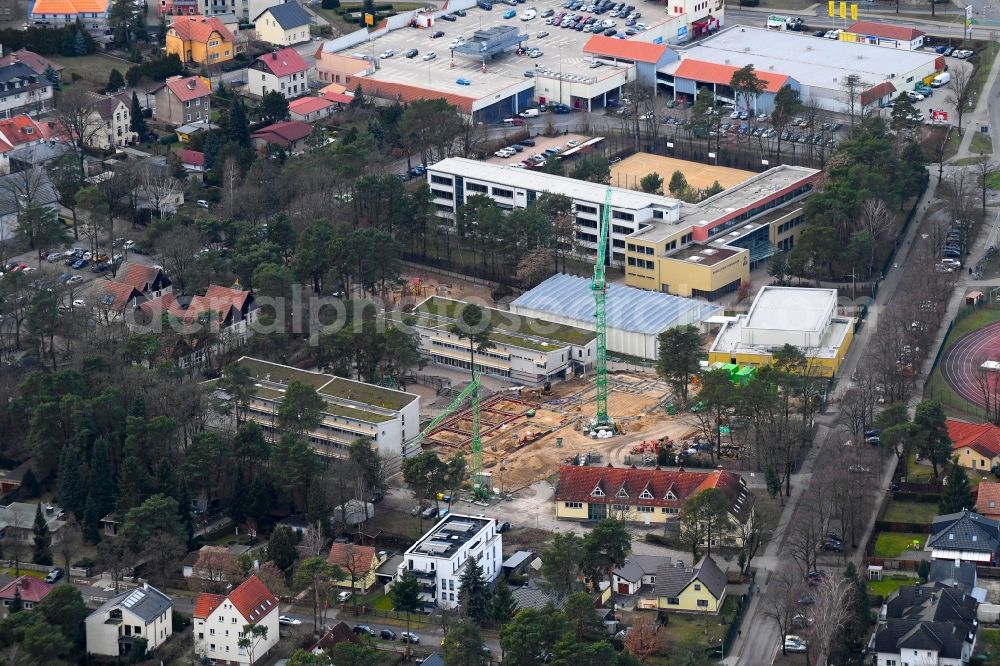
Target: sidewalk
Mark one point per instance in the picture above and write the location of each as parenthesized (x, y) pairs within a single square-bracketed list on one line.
[(981, 114)]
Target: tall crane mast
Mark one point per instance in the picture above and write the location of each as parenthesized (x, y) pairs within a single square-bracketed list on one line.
[(600, 288)]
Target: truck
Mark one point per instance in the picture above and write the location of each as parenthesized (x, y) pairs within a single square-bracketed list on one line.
[(778, 22)]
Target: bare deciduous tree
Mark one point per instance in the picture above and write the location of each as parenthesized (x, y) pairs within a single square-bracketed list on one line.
[(780, 602), (830, 611), (961, 92), (78, 120), (643, 640)]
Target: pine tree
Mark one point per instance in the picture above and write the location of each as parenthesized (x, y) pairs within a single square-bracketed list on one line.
[(957, 495), (501, 606), (184, 511), (43, 540), (116, 81), (52, 76), (102, 484), (79, 44), (137, 123), (29, 485), (237, 127), (855, 631), (472, 591), (92, 520), (16, 605), (72, 495)]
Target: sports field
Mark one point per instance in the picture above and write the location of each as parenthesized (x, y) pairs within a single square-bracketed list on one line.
[(630, 171)]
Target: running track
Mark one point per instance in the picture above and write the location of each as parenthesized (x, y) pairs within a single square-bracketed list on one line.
[(962, 360)]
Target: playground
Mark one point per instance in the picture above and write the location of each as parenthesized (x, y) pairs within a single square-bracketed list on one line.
[(631, 170)]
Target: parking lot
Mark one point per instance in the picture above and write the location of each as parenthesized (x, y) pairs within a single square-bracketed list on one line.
[(542, 143), (562, 50)]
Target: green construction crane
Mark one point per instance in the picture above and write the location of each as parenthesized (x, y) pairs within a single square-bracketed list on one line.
[(600, 289), (472, 390)]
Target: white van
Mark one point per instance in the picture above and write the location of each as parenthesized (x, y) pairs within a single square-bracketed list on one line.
[(528, 15), (529, 113), (940, 80)]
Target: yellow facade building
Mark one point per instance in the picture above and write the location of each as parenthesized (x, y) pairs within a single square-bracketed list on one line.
[(361, 561), (804, 318), (974, 445), (698, 589), (200, 39), (648, 496)]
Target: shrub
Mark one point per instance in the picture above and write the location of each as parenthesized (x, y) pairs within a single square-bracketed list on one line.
[(168, 139), (85, 562)]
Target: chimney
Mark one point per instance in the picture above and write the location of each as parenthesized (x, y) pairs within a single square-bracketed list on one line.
[(274, 55)]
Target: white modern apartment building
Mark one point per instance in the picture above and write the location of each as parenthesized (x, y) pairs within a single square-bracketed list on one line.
[(525, 349), (438, 558), (142, 613), (219, 622), (454, 180), (353, 410)]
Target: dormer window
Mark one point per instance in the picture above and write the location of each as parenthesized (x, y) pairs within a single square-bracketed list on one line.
[(597, 492), (670, 496), (646, 495), (621, 493)]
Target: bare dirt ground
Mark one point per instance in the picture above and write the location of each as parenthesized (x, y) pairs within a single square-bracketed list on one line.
[(523, 450)]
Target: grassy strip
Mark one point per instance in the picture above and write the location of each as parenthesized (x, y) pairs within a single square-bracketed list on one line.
[(910, 512), (887, 586), (892, 544), (981, 143)]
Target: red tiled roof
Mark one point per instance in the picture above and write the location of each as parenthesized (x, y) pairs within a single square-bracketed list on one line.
[(32, 589), (305, 105), (340, 633), (342, 554), (284, 133), (20, 130), (984, 438), (887, 30), (187, 88), (114, 295), (404, 93), (192, 157), (338, 97), (253, 600), (205, 603), (627, 49), (235, 297), (38, 64), (283, 62), (167, 304), (52, 128), (200, 28), (876, 93), (988, 499), (139, 276), (710, 72), (577, 484)]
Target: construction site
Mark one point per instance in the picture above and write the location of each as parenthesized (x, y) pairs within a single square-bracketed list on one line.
[(527, 434)]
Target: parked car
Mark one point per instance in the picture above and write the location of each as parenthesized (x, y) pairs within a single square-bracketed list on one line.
[(795, 644), (363, 629), (503, 527), (463, 82), (80, 263), (344, 597), (387, 635), (201, 203), (409, 637), (833, 546), (412, 53), (437, 34), (288, 620), (54, 575), (430, 55), (510, 13)]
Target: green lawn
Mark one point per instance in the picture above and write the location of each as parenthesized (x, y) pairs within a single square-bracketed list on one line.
[(892, 544), (981, 143), (989, 644), (993, 180), (24, 572), (94, 68), (687, 628), (887, 586), (917, 473), (910, 512)]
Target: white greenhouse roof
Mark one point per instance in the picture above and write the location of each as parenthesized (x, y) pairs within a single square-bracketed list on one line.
[(629, 309)]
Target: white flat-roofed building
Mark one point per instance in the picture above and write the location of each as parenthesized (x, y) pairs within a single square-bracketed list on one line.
[(455, 179), (804, 318), (526, 350), (352, 410), (438, 558), (817, 68)]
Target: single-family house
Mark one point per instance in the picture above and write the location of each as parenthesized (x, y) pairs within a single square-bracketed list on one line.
[(648, 496), (183, 99), (988, 500), (30, 590), (283, 24), (283, 70), (24, 91), (965, 536), (192, 160), (532, 596), (698, 589), (637, 572), (975, 445), (310, 109), (211, 564), (930, 625), (10, 480), (17, 521), (289, 136), (113, 299), (16, 189), (143, 613), (219, 623), (362, 561), (204, 40), (113, 125), (38, 64), (337, 634)]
